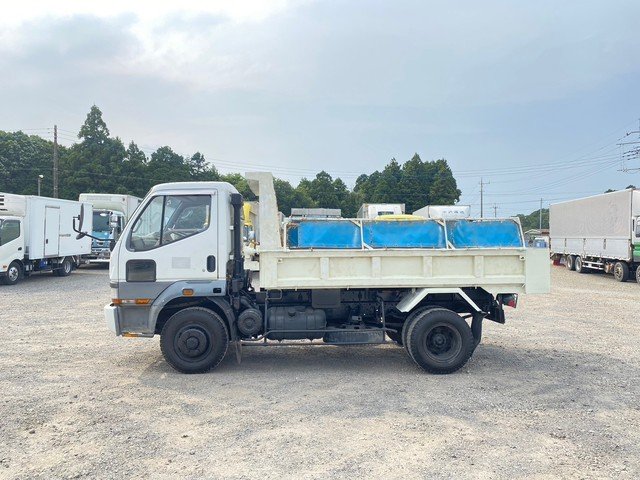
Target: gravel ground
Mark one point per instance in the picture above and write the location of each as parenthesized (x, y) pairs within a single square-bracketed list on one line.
[(553, 393)]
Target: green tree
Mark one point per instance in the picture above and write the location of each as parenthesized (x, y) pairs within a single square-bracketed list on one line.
[(323, 191), (444, 189)]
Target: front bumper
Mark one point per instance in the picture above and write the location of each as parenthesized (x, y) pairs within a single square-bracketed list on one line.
[(111, 317)]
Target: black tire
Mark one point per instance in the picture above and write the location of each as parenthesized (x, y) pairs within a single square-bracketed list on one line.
[(621, 271), (407, 323), (570, 262), (579, 267), (194, 340), (440, 341), (14, 274), (65, 268)]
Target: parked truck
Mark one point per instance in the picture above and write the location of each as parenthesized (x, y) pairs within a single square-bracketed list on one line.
[(601, 232), (180, 270), (110, 213), (36, 235), (374, 210)]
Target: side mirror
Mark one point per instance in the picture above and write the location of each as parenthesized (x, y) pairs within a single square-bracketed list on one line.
[(80, 219)]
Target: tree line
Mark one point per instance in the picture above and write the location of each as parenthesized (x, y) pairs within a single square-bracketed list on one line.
[(99, 162)]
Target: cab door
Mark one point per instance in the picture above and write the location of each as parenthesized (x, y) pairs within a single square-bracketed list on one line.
[(173, 238)]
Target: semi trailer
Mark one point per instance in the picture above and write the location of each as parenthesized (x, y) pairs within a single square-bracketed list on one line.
[(110, 213), (36, 235), (598, 233), (181, 270)]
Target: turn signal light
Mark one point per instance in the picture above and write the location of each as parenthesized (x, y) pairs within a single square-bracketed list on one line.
[(131, 301), (187, 292)]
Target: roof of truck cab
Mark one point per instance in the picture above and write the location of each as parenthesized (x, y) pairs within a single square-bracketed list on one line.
[(221, 186)]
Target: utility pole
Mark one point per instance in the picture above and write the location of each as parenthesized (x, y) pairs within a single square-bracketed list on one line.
[(482, 184), (40, 177), (55, 161), (540, 215), (495, 211)]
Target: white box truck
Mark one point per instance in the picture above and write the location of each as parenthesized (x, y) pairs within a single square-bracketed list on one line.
[(444, 212), (179, 270), (36, 235), (601, 232), (374, 210), (110, 214)]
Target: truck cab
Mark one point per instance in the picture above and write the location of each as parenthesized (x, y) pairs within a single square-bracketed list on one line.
[(180, 240), (107, 226), (12, 248)]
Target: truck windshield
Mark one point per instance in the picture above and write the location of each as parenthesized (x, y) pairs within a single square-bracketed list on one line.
[(101, 222)]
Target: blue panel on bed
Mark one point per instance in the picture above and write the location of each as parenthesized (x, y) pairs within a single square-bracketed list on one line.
[(324, 234), (394, 234), (484, 233)]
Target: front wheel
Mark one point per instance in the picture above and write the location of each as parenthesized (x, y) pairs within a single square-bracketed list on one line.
[(621, 271), (14, 274), (194, 340), (440, 341)]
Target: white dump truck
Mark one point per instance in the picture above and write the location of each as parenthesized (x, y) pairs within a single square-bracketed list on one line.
[(36, 235), (110, 213), (181, 270), (601, 232)]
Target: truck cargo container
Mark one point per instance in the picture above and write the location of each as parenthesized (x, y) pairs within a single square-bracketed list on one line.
[(36, 235), (180, 271), (601, 232)]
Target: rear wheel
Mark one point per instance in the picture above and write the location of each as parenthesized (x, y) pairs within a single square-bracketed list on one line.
[(65, 267), (569, 262), (580, 268), (439, 340), (14, 274), (621, 271), (194, 340), (638, 274)]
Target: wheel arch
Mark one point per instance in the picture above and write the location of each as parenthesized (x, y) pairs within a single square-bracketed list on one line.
[(219, 305)]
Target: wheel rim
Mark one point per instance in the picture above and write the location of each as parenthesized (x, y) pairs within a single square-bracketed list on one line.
[(578, 264), (13, 273), (568, 263), (617, 271), (192, 343), (442, 343), (66, 265)]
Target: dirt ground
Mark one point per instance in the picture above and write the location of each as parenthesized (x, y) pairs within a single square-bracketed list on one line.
[(553, 393)]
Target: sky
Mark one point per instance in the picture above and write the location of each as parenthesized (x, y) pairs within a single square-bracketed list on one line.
[(530, 97)]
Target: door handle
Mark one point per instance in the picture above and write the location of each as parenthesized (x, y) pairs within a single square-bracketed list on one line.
[(211, 263), (46, 240), (19, 249)]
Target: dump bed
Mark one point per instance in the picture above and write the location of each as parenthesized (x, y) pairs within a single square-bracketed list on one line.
[(409, 254)]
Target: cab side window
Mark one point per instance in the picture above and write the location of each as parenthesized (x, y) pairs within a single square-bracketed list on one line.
[(9, 231), (168, 219)]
